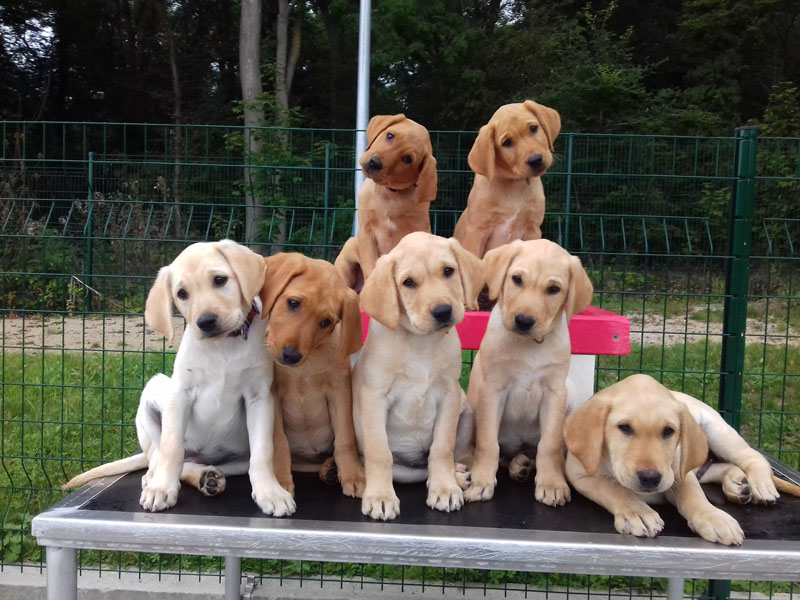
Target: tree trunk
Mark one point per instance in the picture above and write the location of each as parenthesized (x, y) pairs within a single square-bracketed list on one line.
[(250, 74), (178, 117)]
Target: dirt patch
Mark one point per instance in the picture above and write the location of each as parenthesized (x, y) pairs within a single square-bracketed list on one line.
[(659, 331)]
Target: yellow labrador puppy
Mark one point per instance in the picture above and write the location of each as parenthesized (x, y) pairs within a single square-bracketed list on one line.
[(214, 416), (406, 396), (636, 442), (518, 385)]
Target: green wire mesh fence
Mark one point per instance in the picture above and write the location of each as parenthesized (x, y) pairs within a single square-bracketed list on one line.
[(89, 211)]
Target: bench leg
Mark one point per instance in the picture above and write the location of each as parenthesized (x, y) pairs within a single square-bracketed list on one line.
[(233, 578), (62, 573), (675, 588)]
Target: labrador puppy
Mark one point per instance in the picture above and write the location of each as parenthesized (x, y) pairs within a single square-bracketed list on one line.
[(518, 385), (636, 443), (214, 416), (314, 327), (509, 156), (406, 395), (395, 197)]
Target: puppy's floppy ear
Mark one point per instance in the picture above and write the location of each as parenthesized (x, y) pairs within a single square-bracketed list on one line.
[(158, 308), (380, 123), (428, 180), (694, 443), (470, 267), (247, 266), (281, 269), (350, 335), (379, 297), (496, 263), (579, 295), (482, 156), (549, 120), (584, 431)]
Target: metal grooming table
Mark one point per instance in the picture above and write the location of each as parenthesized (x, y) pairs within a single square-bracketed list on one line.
[(512, 531)]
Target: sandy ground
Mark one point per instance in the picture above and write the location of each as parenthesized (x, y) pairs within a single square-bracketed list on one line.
[(117, 332)]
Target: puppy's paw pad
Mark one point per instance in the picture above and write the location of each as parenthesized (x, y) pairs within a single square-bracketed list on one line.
[(328, 473), (737, 490), (639, 520), (463, 476), (212, 482), (383, 507), (520, 468), (717, 526), (275, 501), (479, 491), (445, 498)]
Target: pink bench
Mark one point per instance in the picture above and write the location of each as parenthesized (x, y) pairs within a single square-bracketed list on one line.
[(592, 332)]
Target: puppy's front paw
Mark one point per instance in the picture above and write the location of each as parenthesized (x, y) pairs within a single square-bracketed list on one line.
[(520, 468), (445, 497), (211, 482), (482, 486), (157, 497), (554, 492), (762, 488), (639, 520), (351, 477), (463, 476), (715, 525), (274, 500), (380, 506)]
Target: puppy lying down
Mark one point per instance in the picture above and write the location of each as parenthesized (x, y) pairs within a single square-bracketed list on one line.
[(214, 416), (637, 442)]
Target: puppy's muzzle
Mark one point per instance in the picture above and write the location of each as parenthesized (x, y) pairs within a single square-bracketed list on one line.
[(536, 163), (524, 323), (443, 315), (291, 355), (649, 479), (208, 323)]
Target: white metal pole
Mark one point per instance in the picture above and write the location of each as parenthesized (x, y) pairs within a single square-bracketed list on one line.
[(362, 97)]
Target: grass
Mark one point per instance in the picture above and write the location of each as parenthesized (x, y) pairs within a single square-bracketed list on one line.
[(63, 412)]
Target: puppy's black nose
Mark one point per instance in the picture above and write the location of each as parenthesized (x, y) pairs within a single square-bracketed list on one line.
[(648, 478), (374, 164), (290, 355), (207, 322), (443, 313), (524, 322), (535, 162)]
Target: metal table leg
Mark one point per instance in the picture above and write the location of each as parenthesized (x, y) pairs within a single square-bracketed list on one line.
[(233, 578), (675, 588), (62, 573)]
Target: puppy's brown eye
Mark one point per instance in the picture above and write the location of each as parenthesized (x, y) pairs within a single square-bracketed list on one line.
[(553, 290), (517, 280), (220, 280), (389, 136), (325, 323), (409, 283), (667, 433), (534, 128), (507, 143), (625, 428), (448, 271), (293, 304), (406, 159), (183, 295)]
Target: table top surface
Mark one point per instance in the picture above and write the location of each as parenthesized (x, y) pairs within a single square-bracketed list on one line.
[(512, 531)]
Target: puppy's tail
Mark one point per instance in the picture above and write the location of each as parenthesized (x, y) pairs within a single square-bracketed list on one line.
[(124, 465), (786, 487)]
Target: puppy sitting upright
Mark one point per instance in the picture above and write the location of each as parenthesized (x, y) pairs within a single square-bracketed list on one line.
[(395, 197), (214, 416), (406, 394), (314, 327), (636, 443), (518, 388), (509, 156)]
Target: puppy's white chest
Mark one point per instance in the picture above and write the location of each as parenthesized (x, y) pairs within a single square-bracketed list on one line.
[(519, 424)]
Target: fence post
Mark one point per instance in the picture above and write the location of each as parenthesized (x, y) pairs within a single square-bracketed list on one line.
[(88, 230), (569, 191), (326, 241), (740, 231)]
